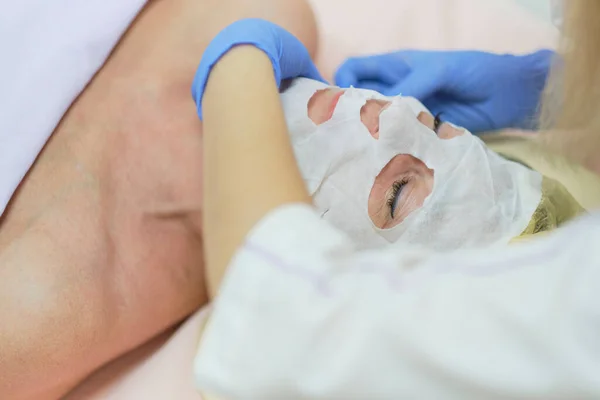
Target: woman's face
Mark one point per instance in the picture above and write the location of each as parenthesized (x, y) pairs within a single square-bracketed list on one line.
[(403, 184), (383, 169)]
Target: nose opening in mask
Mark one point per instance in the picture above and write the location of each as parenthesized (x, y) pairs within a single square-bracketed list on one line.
[(322, 104), (369, 115)]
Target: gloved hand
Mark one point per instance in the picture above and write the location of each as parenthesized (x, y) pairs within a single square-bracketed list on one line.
[(288, 55), (473, 89)]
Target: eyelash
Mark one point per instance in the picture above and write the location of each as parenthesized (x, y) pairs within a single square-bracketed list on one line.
[(393, 199), (437, 121)]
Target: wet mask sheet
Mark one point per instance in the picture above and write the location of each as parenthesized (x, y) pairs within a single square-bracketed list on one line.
[(477, 198)]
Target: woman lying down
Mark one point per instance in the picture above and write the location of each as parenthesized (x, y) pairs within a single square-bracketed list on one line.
[(328, 125), (388, 173), (101, 247)]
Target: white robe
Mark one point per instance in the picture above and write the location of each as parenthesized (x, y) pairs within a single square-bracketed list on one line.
[(302, 315)]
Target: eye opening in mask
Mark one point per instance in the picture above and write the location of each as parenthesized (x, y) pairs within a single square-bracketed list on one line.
[(437, 121), (394, 197), (398, 190), (442, 129)]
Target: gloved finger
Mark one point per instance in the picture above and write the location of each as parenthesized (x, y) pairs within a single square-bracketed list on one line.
[(345, 76), (375, 68), (421, 84), (541, 59), (294, 59)]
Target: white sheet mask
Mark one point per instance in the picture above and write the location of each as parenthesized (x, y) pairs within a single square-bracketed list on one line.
[(478, 198)]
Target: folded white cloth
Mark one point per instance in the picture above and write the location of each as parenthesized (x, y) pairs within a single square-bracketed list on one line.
[(50, 51)]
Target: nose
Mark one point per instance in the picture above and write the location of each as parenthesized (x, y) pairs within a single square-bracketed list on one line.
[(322, 104), (369, 115)]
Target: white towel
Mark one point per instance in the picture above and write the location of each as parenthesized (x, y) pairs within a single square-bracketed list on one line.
[(49, 51)]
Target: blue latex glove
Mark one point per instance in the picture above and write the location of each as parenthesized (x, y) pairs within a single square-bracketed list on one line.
[(476, 90), (288, 55)]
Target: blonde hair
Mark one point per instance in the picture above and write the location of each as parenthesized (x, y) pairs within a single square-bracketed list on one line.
[(571, 107)]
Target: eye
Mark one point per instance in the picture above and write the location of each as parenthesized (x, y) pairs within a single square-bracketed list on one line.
[(437, 122), (392, 201), (442, 129)]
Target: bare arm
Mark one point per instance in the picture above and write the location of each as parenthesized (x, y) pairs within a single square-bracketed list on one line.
[(241, 184)]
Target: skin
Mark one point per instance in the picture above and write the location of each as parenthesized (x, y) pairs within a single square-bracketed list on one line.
[(226, 155), (369, 115), (101, 247), (415, 182), (261, 119)]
